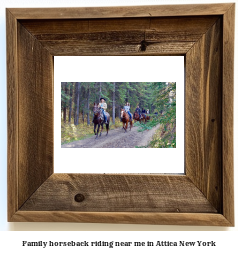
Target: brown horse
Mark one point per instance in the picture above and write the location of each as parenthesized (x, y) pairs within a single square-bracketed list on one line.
[(125, 119), (98, 120), (137, 117), (145, 117)]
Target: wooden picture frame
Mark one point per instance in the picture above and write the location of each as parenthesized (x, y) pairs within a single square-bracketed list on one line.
[(204, 34)]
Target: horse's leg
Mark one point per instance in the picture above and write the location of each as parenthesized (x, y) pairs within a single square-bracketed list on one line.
[(126, 126), (101, 130), (107, 127), (98, 130), (95, 129)]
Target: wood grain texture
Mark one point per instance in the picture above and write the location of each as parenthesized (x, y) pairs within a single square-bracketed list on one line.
[(12, 114), (173, 36), (192, 219), (177, 25), (141, 193), (72, 48), (35, 114), (203, 144), (121, 11), (227, 113)]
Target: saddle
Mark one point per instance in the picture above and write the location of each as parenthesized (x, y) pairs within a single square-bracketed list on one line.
[(102, 116), (129, 115)]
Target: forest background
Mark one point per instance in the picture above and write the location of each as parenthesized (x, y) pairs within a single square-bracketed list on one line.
[(77, 100)]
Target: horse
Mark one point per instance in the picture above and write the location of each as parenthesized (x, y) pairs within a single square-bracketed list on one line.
[(145, 117), (125, 119), (137, 117), (98, 119), (142, 118)]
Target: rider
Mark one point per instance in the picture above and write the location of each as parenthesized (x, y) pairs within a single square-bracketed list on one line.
[(127, 109), (138, 111), (143, 111), (103, 106)]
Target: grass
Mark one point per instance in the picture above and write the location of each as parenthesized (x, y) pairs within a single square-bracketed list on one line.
[(71, 132), (164, 137)]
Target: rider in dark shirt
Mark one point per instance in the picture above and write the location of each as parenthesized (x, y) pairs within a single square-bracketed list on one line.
[(138, 111), (143, 111)]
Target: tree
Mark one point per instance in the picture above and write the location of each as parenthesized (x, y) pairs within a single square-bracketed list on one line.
[(77, 93), (165, 101), (113, 102), (64, 99), (88, 120), (77, 98), (70, 100)]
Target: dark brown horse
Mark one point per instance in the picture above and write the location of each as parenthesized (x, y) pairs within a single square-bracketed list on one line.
[(125, 119), (98, 120)]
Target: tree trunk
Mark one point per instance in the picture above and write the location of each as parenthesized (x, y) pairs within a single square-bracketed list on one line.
[(113, 103), (88, 120), (83, 115), (64, 112), (100, 90), (75, 101), (119, 111), (65, 104), (77, 105), (70, 102)]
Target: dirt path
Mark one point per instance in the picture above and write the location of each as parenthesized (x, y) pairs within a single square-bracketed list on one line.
[(116, 138)]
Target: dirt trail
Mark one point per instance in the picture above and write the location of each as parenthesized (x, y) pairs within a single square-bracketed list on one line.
[(116, 138)]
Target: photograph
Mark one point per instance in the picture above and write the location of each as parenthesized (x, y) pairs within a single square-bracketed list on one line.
[(118, 114)]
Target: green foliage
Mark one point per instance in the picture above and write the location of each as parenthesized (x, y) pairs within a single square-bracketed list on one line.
[(136, 93), (165, 101), (149, 125), (164, 138), (65, 95)]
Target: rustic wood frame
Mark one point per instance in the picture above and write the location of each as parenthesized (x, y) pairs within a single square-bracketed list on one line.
[(203, 33)]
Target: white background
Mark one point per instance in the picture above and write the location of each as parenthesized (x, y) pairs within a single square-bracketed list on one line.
[(119, 69), (11, 241)]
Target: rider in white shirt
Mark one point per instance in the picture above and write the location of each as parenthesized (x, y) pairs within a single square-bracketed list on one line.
[(103, 106), (127, 109)]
